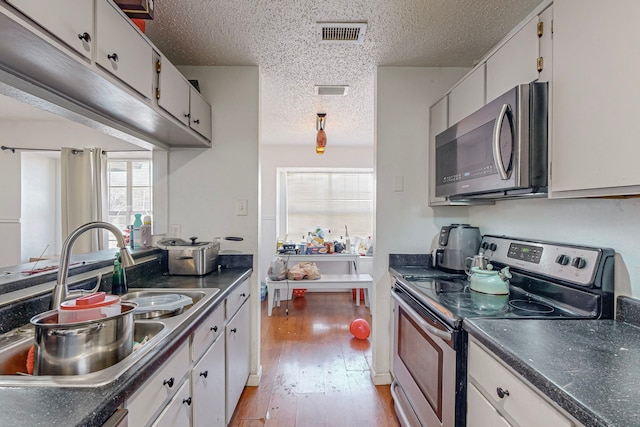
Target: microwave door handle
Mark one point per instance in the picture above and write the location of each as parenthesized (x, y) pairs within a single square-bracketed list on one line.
[(497, 132)]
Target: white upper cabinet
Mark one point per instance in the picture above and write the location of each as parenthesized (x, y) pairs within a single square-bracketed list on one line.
[(121, 50), (515, 62), (545, 20), (173, 91), (437, 123), (71, 21), (467, 96), (200, 114), (595, 99)]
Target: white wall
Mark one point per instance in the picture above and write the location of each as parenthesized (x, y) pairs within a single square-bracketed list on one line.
[(40, 206), (205, 184), (10, 170), (273, 157), (404, 222), (613, 223)]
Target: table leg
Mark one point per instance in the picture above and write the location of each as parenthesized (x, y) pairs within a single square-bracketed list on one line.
[(270, 298)]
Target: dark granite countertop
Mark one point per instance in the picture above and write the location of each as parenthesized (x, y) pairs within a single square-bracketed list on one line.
[(590, 368), (92, 406)]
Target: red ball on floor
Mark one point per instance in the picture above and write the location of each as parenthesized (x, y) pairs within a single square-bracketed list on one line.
[(360, 329)]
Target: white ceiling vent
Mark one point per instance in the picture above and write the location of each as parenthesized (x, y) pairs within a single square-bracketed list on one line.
[(341, 32), (339, 90)]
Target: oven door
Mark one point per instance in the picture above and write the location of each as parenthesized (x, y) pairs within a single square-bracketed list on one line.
[(424, 364)]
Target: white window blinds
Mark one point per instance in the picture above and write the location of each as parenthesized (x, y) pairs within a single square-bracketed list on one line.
[(330, 200)]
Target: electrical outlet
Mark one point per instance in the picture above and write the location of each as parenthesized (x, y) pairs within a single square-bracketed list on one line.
[(241, 207), (175, 230)]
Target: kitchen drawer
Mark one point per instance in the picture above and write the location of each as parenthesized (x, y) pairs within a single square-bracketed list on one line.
[(480, 412), (157, 390), (178, 411), (236, 299), (522, 404), (207, 333)]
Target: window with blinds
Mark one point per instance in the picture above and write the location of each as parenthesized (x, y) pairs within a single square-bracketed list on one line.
[(331, 200)]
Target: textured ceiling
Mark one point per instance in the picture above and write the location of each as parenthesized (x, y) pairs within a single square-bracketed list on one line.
[(279, 37)]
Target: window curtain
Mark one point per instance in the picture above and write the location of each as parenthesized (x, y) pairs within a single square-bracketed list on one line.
[(84, 195)]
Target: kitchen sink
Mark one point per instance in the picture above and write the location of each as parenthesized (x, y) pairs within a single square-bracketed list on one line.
[(156, 304), (15, 345)]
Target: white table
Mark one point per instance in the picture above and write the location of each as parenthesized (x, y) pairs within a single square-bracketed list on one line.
[(326, 281), (353, 260)]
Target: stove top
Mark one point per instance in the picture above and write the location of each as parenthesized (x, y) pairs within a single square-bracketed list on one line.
[(543, 285)]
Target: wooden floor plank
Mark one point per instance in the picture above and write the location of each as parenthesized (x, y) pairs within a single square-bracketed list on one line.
[(315, 373)]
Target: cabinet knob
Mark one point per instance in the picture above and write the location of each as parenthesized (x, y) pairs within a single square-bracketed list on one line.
[(502, 392), (243, 295), (113, 57), (169, 382), (214, 329), (187, 115), (187, 401), (204, 374), (196, 121), (85, 37), (234, 330)]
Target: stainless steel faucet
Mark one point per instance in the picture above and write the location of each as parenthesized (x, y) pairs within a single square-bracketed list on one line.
[(61, 291)]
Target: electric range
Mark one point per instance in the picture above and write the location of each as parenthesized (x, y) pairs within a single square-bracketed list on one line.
[(550, 281)]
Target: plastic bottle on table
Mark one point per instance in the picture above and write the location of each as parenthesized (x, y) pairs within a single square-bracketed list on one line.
[(137, 223), (347, 240), (145, 232), (119, 279)]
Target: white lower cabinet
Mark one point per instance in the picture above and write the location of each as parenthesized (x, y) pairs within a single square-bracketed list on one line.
[(178, 411), (208, 383), (159, 389), (238, 358), (498, 397)]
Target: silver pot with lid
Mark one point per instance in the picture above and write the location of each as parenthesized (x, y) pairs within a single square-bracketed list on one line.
[(190, 258)]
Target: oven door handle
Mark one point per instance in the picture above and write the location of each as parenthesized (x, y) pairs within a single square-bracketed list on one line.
[(435, 331)]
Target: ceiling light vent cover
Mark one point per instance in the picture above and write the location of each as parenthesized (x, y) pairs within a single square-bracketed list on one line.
[(339, 90), (341, 32)]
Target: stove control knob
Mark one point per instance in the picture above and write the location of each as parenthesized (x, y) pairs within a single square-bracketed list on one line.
[(493, 247), (579, 262), (563, 259), (484, 245)]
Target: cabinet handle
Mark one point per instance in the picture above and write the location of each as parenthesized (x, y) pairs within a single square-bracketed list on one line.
[(113, 57), (234, 330), (187, 115), (502, 392), (85, 37), (214, 329), (168, 382), (187, 401), (204, 374), (196, 121), (243, 295)]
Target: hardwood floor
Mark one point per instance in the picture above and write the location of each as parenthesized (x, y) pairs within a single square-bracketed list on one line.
[(315, 373)]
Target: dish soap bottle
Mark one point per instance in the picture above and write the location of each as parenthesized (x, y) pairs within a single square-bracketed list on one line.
[(137, 223), (119, 279)]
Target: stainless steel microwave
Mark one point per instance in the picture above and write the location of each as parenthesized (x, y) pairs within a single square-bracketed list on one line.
[(497, 152)]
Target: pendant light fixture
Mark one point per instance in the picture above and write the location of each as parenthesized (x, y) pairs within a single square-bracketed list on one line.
[(321, 138)]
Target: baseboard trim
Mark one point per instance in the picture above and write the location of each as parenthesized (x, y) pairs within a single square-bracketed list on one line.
[(381, 378), (254, 379)]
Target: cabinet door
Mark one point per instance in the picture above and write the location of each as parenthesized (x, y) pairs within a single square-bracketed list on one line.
[(207, 332), (68, 20), (236, 299), (468, 96), (178, 411), (437, 123), (121, 50), (200, 114), (480, 412), (238, 357), (207, 379), (173, 91), (515, 62)]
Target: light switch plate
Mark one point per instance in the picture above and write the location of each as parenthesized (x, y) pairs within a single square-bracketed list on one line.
[(241, 207), (175, 230)]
